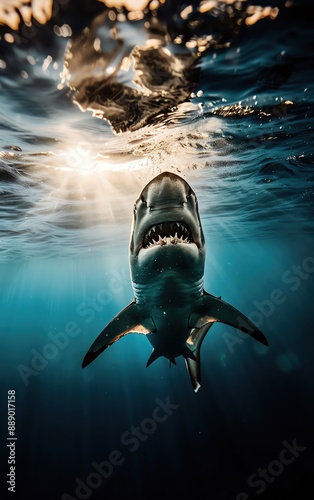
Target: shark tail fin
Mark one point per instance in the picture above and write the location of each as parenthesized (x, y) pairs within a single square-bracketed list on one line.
[(188, 354), (193, 364)]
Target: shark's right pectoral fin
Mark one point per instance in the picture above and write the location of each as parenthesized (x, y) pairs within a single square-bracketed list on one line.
[(214, 309), (132, 319)]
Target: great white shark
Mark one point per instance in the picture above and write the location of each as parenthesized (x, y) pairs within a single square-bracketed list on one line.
[(167, 259)]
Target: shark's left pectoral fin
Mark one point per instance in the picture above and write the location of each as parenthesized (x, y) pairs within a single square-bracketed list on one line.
[(132, 319), (214, 309)]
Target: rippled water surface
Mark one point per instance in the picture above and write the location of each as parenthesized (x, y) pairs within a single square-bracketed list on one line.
[(235, 120), (94, 102)]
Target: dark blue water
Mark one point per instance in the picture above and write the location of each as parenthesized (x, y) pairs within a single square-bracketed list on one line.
[(93, 105)]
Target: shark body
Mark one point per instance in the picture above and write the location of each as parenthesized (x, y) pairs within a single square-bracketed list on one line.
[(167, 258)]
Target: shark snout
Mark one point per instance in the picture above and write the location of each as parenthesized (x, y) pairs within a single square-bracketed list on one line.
[(166, 191)]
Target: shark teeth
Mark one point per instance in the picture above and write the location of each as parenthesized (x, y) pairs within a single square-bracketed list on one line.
[(167, 233)]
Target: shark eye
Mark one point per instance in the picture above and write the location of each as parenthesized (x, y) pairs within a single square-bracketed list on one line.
[(134, 208), (189, 193), (143, 200)]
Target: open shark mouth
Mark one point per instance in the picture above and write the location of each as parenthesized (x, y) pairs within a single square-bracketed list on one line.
[(167, 233)]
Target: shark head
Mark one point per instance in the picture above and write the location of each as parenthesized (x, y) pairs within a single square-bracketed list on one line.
[(166, 229)]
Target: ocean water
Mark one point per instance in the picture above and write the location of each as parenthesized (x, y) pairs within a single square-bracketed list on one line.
[(95, 102)]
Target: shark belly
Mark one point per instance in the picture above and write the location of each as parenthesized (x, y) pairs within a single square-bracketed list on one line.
[(171, 299), (169, 288)]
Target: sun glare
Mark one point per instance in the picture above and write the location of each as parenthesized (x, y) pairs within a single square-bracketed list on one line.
[(83, 161), (93, 183)]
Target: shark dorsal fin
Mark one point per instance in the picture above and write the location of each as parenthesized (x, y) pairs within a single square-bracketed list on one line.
[(132, 319)]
